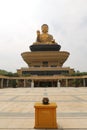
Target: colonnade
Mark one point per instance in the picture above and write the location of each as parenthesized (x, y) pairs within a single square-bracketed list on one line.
[(6, 82)]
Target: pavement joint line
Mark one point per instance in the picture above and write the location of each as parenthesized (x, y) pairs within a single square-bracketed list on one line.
[(45, 94), (31, 118), (60, 128), (61, 114), (78, 98), (39, 100), (12, 99)]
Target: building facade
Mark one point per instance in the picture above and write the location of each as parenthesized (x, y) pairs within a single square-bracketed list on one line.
[(45, 60), (45, 66)]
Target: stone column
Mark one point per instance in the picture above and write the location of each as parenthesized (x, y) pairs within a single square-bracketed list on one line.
[(17, 81), (66, 82), (24, 83), (32, 84), (2, 83), (84, 83), (7, 83), (58, 84)]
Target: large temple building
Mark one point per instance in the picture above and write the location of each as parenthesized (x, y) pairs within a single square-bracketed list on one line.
[(45, 62), (45, 59)]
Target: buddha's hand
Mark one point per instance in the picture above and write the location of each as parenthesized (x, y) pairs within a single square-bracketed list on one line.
[(53, 41), (38, 32)]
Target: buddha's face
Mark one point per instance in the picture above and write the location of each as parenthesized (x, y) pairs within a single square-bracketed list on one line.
[(44, 28)]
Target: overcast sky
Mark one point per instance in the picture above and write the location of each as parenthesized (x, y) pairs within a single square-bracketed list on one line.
[(19, 20)]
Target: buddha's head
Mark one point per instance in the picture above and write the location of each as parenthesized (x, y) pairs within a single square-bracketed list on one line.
[(44, 28)]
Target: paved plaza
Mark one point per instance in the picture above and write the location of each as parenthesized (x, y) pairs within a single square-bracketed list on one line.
[(17, 107)]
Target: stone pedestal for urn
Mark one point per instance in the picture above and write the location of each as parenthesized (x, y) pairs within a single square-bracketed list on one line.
[(45, 116)]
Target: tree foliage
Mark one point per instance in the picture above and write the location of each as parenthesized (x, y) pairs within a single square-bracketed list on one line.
[(6, 73), (78, 73)]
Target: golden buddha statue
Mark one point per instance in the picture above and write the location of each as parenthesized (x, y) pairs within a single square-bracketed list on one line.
[(44, 37)]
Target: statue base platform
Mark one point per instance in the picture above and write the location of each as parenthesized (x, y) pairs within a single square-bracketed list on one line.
[(52, 57), (45, 116), (45, 47)]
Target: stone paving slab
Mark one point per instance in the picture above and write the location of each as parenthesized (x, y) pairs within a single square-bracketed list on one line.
[(17, 107)]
